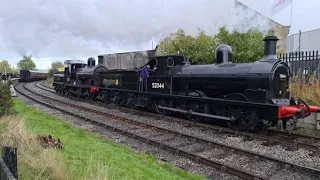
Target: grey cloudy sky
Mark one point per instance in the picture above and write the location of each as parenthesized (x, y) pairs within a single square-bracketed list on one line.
[(78, 29)]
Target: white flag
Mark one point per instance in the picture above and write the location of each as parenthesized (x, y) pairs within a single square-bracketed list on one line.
[(279, 5)]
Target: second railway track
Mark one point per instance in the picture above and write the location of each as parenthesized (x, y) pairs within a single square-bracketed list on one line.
[(235, 160)]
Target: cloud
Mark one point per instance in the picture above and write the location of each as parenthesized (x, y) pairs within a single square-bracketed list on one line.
[(62, 29)]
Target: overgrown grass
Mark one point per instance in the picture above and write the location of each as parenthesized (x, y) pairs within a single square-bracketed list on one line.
[(88, 156), (34, 162), (306, 89)]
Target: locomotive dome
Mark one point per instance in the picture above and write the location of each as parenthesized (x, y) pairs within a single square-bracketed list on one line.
[(223, 54)]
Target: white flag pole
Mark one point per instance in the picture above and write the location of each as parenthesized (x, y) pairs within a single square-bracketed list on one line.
[(291, 17)]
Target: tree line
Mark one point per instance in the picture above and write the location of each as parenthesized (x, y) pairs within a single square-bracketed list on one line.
[(246, 46), (27, 63)]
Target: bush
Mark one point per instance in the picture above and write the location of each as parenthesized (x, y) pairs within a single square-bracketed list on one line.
[(199, 49), (54, 68), (246, 47), (5, 99)]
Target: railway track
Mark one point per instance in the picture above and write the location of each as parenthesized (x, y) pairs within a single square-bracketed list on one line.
[(201, 150), (292, 141)]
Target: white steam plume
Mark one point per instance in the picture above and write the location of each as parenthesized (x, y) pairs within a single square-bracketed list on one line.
[(63, 29)]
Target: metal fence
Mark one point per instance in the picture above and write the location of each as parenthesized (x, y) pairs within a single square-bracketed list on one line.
[(303, 64)]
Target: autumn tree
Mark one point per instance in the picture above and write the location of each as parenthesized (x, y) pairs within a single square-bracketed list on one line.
[(26, 63), (55, 68), (5, 66), (246, 47)]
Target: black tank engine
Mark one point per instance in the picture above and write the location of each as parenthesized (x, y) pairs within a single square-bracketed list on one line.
[(247, 96)]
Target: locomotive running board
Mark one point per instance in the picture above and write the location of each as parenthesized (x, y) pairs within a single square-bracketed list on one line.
[(194, 113)]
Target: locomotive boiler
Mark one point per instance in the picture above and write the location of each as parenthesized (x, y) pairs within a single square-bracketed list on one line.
[(260, 81), (247, 96)]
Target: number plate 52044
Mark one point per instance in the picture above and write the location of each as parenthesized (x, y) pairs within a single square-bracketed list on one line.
[(157, 85)]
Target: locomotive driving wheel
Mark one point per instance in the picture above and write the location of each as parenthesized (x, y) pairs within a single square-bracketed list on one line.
[(86, 95), (242, 118), (105, 96), (198, 107), (164, 103), (117, 98), (79, 93)]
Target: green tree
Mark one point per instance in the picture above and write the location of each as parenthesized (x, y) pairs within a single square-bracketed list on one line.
[(246, 47), (55, 68), (26, 63), (199, 49)]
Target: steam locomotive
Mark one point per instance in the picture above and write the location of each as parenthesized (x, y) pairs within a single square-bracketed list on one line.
[(7, 76), (246, 96)]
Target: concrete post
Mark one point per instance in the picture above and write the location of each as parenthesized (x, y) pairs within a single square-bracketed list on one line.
[(9, 156)]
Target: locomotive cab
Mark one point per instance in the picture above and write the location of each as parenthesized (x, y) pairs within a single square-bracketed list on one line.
[(165, 67), (71, 69)]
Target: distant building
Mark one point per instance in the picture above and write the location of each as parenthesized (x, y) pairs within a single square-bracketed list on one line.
[(306, 41), (279, 30), (282, 33)]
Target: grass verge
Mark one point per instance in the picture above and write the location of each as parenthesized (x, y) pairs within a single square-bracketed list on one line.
[(34, 162), (88, 156)]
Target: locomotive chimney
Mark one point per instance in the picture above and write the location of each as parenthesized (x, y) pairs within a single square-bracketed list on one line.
[(270, 46), (91, 62)]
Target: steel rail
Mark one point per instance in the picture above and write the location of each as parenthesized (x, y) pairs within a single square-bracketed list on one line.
[(271, 139)]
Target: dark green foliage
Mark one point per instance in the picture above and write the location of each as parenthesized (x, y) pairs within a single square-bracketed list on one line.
[(199, 49), (5, 99), (246, 47)]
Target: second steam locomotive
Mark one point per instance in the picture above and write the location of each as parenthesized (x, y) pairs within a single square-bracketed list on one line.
[(247, 96)]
